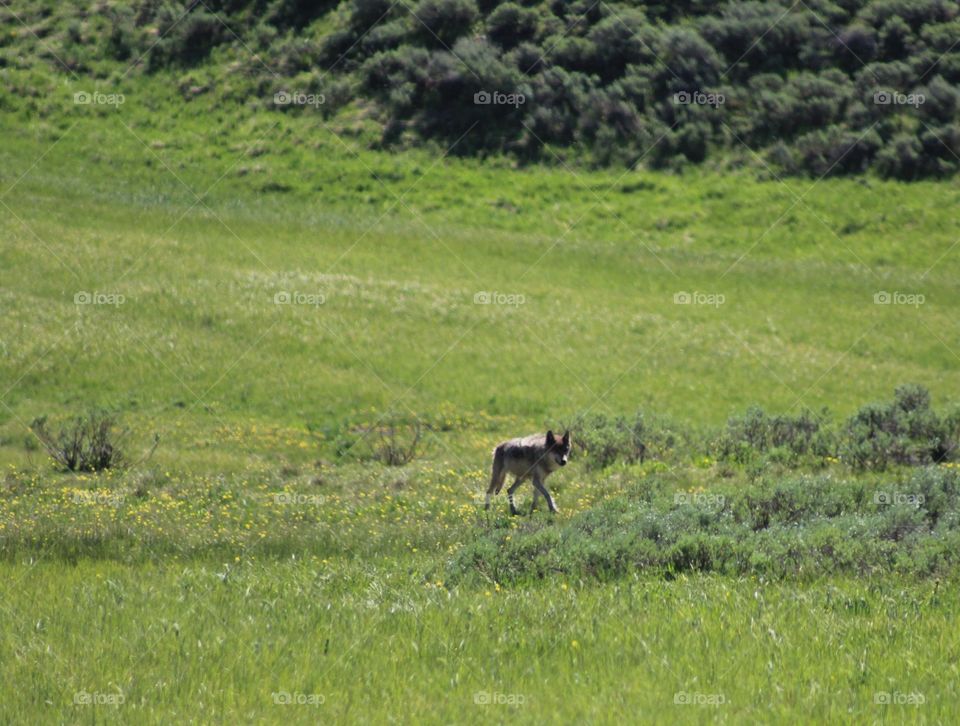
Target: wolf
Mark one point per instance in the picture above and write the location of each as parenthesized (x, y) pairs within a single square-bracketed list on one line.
[(533, 457)]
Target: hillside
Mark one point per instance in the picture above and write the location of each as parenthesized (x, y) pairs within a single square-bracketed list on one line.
[(816, 88)]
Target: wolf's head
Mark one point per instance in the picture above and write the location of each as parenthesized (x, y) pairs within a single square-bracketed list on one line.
[(558, 449)]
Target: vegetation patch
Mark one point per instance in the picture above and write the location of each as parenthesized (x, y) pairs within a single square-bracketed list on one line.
[(816, 88), (805, 526)]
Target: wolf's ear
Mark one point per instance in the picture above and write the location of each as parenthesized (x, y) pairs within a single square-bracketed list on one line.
[(550, 439), (566, 438)]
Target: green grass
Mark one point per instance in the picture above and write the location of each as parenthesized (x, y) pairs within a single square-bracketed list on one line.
[(189, 587), (597, 270), (221, 639)]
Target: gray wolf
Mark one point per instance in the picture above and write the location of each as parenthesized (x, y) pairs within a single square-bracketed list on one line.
[(533, 457)]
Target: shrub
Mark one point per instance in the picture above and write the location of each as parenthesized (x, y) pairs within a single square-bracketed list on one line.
[(621, 40), (295, 13), (810, 101), (836, 151), (855, 46), (449, 107), (365, 14), (385, 36), (394, 442), (561, 97), (603, 440), (573, 53), (398, 445), (185, 41), (807, 526), (901, 158), (439, 23), (89, 443), (686, 63), (758, 36), (757, 433), (526, 58), (510, 24), (122, 41), (396, 77), (941, 101), (913, 13), (895, 40), (904, 431)]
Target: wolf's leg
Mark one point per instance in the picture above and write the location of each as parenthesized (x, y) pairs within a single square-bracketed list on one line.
[(536, 496), (510, 491), (538, 484)]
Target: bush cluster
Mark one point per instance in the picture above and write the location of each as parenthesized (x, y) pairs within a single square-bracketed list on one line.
[(816, 88), (904, 431), (809, 525)]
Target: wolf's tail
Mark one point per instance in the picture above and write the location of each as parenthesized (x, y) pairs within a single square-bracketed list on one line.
[(497, 474)]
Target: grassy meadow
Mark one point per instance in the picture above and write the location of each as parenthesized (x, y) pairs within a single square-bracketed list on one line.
[(259, 289)]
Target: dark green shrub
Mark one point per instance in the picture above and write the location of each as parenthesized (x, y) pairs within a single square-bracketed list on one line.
[(573, 53), (123, 38), (185, 41), (621, 40), (560, 98), (756, 433), (904, 431), (397, 77), (855, 46), (526, 58), (439, 23), (510, 24), (901, 158), (296, 13), (836, 151), (602, 440), (941, 101), (896, 40), (384, 36), (365, 15), (913, 13), (756, 37), (686, 63), (805, 103)]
